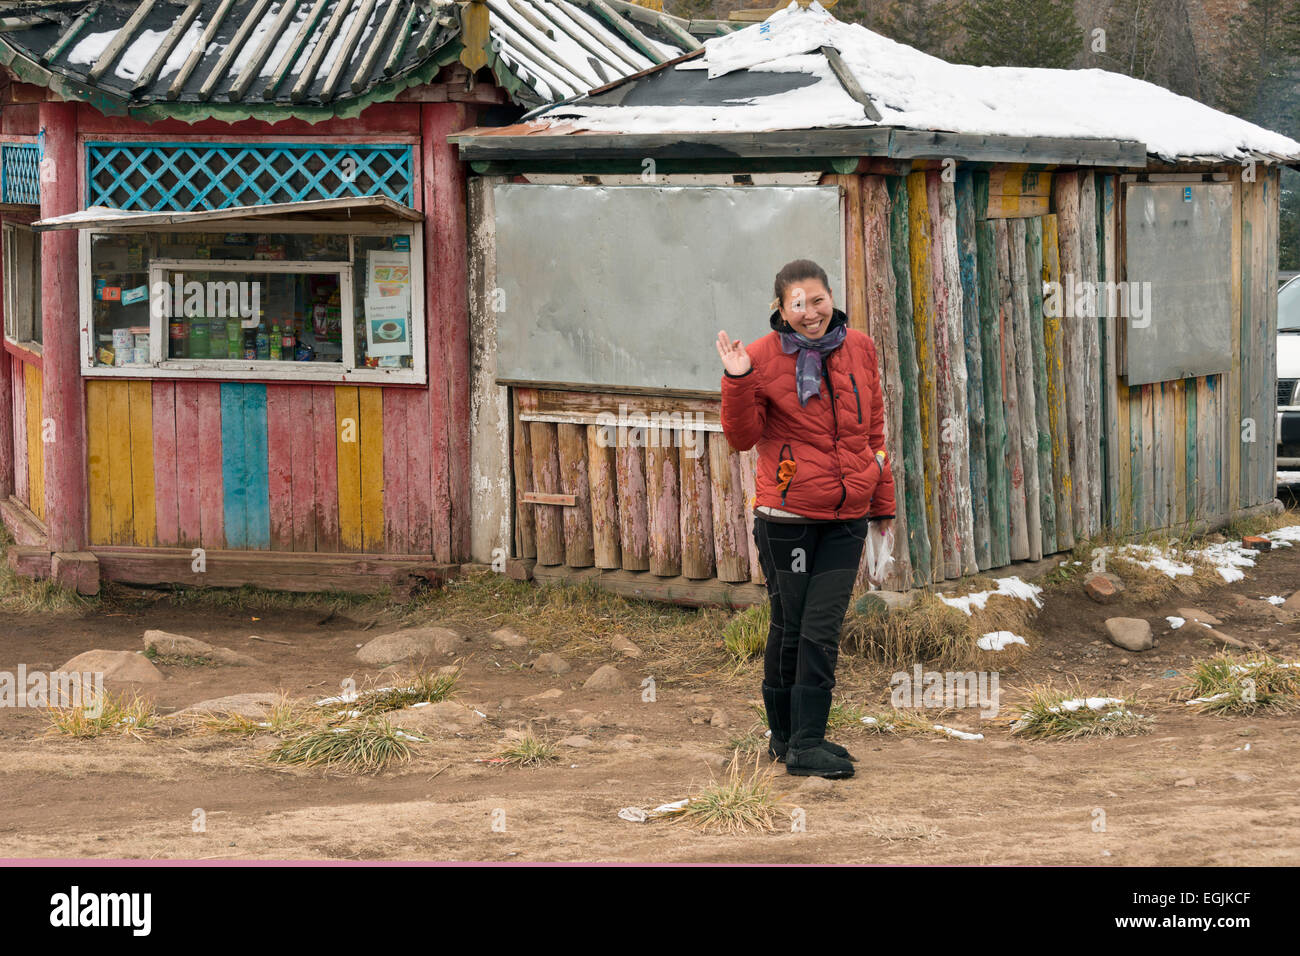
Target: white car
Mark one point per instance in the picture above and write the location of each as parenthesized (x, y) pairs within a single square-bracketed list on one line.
[(1288, 375)]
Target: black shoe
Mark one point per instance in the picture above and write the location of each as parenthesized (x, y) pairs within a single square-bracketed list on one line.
[(776, 701), (806, 756)]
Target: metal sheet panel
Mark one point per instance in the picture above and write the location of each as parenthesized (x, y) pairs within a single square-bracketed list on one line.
[(627, 286), (1179, 239)]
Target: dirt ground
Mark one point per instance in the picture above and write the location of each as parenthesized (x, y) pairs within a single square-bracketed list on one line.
[(999, 800)]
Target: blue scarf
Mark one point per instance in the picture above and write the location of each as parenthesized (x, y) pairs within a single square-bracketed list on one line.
[(808, 366)]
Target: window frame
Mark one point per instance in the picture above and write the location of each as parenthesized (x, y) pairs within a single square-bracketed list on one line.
[(27, 342), (228, 369)]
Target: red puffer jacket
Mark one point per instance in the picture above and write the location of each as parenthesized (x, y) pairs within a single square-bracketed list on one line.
[(833, 439)]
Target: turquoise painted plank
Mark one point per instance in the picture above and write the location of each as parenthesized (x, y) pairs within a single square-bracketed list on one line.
[(257, 502), (234, 480)]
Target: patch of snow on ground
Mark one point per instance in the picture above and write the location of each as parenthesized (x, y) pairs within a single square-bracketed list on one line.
[(1175, 622), (997, 640), (1010, 586)]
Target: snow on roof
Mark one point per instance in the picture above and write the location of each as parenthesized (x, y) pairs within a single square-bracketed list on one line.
[(914, 90)]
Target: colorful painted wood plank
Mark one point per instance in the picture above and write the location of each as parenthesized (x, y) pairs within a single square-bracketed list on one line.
[(920, 244), (990, 294), (1065, 189), (143, 503), (370, 408), (913, 490), (1092, 347), (950, 434), (101, 502), (421, 516), (35, 440), (189, 479), (882, 322), (1018, 539), (280, 426), (522, 462), (396, 491), (325, 425), (166, 510), (347, 422), (233, 471), (1114, 453), (1038, 353), (1054, 355), (119, 463), (976, 454), (302, 495), (1025, 398)]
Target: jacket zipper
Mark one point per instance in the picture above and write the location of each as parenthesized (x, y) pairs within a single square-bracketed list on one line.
[(835, 415), (856, 397)]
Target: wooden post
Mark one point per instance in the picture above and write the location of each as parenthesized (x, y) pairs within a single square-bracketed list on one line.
[(696, 511), (882, 323), (964, 519), (1042, 421), (1019, 534), (1053, 350), (571, 446), (1024, 352), (522, 455), (446, 311), (914, 497), (1114, 459), (996, 431), (602, 477), (546, 479), (633, 524), (920, 242), (855, 296), (663, 502), (975, 424), (949, 431), (728, 506), (62, 394), (1065, 189), (1092, 347)]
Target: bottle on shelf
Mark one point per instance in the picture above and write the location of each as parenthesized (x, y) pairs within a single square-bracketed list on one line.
[(263, 342)]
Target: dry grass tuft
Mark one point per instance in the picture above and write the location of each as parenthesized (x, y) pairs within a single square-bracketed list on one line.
[(736, 804), (928, 631), (366, 747), (1043, 716), (104, 714), (1252, 684), (528, 751)]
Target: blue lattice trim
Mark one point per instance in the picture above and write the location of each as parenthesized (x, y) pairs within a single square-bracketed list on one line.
[(189, 176), (20, 179)]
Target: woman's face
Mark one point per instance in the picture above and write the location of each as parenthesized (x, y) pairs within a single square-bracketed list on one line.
[(808, 308)]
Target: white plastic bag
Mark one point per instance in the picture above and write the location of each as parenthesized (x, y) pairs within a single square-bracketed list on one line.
[(880, 554)]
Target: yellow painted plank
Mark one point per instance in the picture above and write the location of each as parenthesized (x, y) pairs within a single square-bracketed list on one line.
[(101, 506), (35, 444), (918, 212), (347, 419), (371, 404), (144, 510), (119, 463)]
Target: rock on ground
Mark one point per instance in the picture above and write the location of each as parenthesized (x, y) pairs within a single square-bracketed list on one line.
[(116, 666), (509, 638), (410, 643), (622, 645), (179, 645), (606, 677), (444, 717), (551, 664), (1130, 633), (243, 705), (1103, 587)]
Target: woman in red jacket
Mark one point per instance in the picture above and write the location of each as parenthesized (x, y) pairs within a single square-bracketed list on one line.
[(808, 394)]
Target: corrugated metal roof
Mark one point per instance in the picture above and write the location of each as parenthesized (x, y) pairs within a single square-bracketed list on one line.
[(217, 57), (547, 50), (309, 52)]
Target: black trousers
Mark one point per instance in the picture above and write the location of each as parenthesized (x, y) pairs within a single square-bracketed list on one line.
[(810, 570)]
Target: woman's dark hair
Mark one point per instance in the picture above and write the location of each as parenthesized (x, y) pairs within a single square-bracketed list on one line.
[(797, 271)]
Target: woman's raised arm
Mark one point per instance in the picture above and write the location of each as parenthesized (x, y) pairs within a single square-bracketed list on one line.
[(744, 411)]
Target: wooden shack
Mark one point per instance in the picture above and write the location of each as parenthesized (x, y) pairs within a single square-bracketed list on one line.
[(975, 205), (300, 149)]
